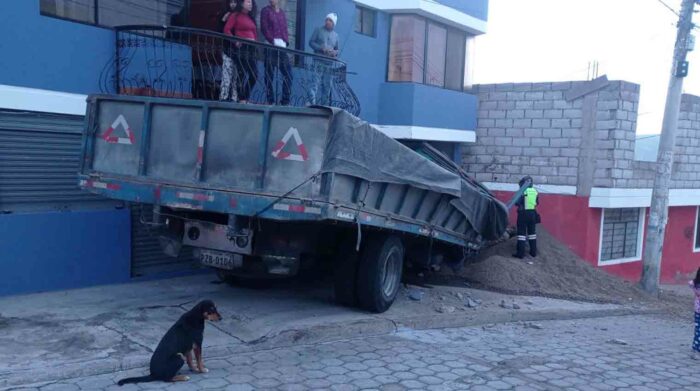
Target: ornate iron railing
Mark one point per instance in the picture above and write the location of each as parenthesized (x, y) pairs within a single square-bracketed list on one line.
[(187, 63)]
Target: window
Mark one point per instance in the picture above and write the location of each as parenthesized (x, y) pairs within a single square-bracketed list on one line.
[(112, 13), (621, 235), (365, 20), (696, 246), (78, 10), (422, 51)]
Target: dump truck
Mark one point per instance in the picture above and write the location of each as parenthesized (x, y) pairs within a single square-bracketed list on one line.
[(269, 191)]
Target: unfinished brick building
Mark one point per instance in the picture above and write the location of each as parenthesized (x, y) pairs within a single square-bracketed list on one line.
[(577, 140)]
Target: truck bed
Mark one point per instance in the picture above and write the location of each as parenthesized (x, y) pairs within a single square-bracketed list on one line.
[(277, 163)]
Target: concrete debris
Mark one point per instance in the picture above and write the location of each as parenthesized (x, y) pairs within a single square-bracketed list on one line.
[(516, 306), (445, 309), (536, 326), (459, 295), (529, 302), (618, 342), (416, 294), (472, 303), (442, 298)]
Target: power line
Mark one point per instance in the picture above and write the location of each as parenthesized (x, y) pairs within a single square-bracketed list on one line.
[(669, 7)]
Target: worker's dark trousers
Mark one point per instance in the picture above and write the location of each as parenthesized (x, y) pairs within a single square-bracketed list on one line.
[(527, 232)]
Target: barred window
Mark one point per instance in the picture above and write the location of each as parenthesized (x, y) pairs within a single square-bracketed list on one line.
[(621, 235)]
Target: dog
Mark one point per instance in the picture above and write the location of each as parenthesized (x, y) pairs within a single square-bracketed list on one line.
[(177, 345)]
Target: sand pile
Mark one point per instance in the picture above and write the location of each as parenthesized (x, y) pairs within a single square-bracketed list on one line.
[(556, 272)]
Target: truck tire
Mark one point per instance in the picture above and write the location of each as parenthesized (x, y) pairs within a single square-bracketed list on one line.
[(345, 273), (379, 274)]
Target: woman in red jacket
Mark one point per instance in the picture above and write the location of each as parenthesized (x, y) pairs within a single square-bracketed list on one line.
[(241, 24)]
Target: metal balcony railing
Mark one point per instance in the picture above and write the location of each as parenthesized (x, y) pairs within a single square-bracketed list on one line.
[(188, 63)]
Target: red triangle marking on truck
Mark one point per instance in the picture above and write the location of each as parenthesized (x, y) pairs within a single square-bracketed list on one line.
[(303, 154), (120, 121)]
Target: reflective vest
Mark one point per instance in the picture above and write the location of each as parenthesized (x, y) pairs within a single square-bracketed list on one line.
[(530, 198)]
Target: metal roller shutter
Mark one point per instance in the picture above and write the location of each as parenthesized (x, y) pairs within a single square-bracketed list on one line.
[(146, 255), (39, 162)]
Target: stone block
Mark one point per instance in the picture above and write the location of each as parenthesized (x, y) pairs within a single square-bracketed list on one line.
[(497, 96), (504, 123), (608, 105), (561, 123), (559, 142), (568, 171), (515, 95), (515, 114), (488, 105), (548, 170), (524, 105), (541, 123), (534, 113), (503, 141), (553, 113), (539, 142), (561, 86), (532, 151), (533, 132), (573, 113), (539, 161), (497, 114), (569, 152), (544, 105), (551, 151), (506, 105), (521, 142), (522, 123), (515, 132), (514, 153), (534, 96), (551, 133), (571, 133), (496, 132), (486, 123), (561, 104)]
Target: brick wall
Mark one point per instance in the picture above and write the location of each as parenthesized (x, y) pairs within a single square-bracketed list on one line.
[(533, 129)]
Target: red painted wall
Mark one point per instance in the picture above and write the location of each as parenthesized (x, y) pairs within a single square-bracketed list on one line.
[(571, 221), (679, 261)]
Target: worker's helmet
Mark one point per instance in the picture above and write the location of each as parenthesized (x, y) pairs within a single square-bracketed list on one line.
[(524, 180)]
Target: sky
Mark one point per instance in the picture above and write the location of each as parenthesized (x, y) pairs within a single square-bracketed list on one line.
[(554, 40)]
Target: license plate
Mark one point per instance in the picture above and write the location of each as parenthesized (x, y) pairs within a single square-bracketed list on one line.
[(219, 260)]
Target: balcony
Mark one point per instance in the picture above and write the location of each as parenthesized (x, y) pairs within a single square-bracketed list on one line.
[(187, 63)]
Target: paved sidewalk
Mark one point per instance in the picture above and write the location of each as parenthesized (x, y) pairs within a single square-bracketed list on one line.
[(632, 352), (59, 335)]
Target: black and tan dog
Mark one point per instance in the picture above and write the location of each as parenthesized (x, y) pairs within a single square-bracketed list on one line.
[(176, 347)]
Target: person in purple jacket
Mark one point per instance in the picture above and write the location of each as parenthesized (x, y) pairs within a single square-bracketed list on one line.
[(273, 23), (695, 285)]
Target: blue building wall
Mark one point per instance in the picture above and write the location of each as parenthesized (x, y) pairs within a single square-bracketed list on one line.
[(49, 53), (366, 56), (422, 105), (476, 8), (62, 250), (392, 103)]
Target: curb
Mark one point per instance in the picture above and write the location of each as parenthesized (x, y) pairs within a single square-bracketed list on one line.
[(369, 327)]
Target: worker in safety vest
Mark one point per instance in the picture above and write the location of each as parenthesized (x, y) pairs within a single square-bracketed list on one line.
[(527, 219)]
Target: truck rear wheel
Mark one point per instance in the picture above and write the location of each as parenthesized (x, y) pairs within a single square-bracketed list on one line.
[(345, 273), (379, 273)]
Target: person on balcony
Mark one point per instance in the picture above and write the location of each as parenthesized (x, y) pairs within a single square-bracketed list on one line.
[(229, 76), (324, 41), (241, 24), (273, 23)]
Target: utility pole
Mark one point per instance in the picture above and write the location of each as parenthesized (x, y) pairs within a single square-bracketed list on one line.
[(658, 216)]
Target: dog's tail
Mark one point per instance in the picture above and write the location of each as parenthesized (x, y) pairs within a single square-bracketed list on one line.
[(142, 379)]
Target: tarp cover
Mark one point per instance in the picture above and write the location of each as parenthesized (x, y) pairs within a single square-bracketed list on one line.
[(357, 149)]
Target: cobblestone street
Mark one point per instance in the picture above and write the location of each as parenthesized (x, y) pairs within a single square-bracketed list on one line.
[(634, 352)]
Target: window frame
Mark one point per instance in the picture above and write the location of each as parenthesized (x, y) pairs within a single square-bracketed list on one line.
[(96, 23), (640, 239), (696, 239), (428, 22), (361, 10)]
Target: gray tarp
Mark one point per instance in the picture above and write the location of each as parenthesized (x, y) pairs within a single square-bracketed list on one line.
[(355, 148)]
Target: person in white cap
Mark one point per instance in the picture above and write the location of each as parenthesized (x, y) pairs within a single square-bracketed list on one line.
[(325, 42)]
